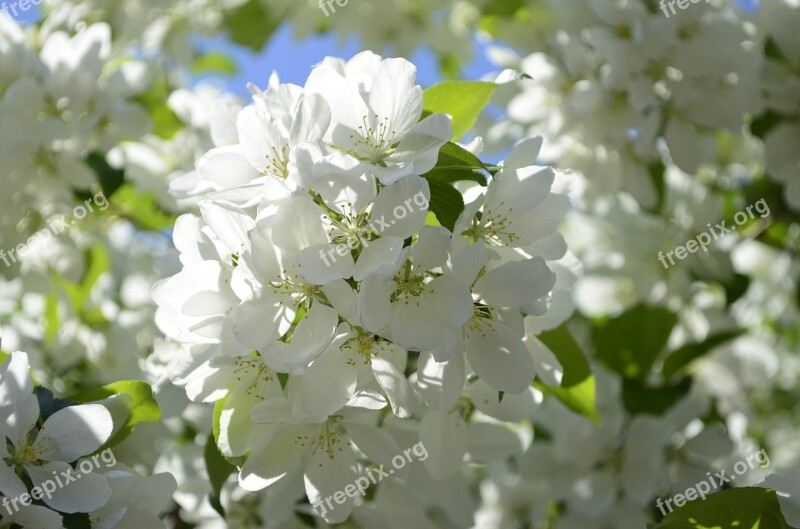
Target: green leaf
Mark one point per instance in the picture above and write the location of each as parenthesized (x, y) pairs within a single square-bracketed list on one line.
[(450, 65), (431, 220), (79, 293), (763, 124), (446, 203), (141, 404), (735, 287), (51, 317), (772, 50), (251, 25), (657, 171), (76, 521), (682, 357), (453, 155), (141, 209), (218, 470), (638, 397), (455, 164), (577, 390), (502, 8), (736, 508), (630, 343), (165, 121), (110, 179), (463, 100), (216, 417), (217, 62), (48, 404)]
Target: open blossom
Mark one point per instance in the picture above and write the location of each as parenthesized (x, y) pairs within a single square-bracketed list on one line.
[(376, 110), (313, 278), (349, 281), (65, 436)]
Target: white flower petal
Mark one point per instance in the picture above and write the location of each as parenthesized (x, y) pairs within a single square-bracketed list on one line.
[(401, 208), (524, 154), (35, 517), (330, 382), (328, 473), (264, 144), (441, 383), (85, 493), (397, 388), (491, 442), (499, 358), (516, 283), (129, 518), (19, 409), (298, 224), (311, 336), (444, 436), (311, 120), (395, 96), (11, 485), (279, 456), (380, 257), (226, 167), (324, 263), (377, 445), (374, 305), (74, 432)]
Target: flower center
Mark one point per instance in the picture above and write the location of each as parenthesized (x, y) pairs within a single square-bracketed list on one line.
[(329, 439), (481, 321), (493, 227), (365, 345), (278, 162), (254, 370), (298, 292), (349, 228), (373, 142)]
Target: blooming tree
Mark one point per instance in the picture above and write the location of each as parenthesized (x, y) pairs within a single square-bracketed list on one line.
[(333, 303)]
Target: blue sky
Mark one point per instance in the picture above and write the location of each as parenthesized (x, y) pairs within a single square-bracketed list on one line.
[(293, 60)]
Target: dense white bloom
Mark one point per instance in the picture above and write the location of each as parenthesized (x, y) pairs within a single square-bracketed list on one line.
[(65, 436), (376, 110), (312, 274)]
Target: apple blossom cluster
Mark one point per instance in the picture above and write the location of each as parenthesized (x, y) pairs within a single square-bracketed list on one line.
[(166, 28), (780, 80), (58, 104), (318, 293), (663, 139), (350, 282), (45, 466), (623, 84)]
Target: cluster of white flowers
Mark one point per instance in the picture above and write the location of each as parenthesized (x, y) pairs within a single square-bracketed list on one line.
[(339, 297), (312, 257), (39, 457), (780, 82), (57, 106), (167, 27), (663, 139)]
